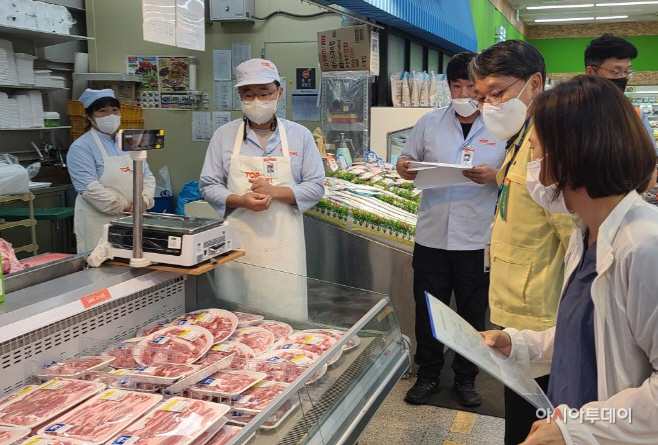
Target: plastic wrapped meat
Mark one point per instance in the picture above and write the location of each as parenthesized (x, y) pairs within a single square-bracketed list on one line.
[(285, 365), (337, 335), (245, 319), (219, 322), (167, 370), (10, 435), (221, 350), (39, 440), (100, 418), (224, 435), (177, 421), (258, 339), (229, 382), (46, 402), (257, 398), (278, 328), (210, 432), (123, 353), (313, 342), (73, 367), (175, 344)]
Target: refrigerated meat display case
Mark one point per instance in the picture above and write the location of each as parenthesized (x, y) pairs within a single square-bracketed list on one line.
[(63, 310)]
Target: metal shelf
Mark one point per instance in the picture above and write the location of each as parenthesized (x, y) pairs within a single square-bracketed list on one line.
[(108, 77), (356, 126), (40, 38), (36, 128), (30, 87)]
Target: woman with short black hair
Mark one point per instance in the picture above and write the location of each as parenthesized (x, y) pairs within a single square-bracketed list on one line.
[(101, 173), (593, 156)]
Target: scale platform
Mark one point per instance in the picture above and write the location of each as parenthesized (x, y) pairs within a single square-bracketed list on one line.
[(172, 239)]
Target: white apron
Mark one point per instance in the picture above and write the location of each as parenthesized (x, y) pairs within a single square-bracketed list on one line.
[(273, 239), (117, 177)]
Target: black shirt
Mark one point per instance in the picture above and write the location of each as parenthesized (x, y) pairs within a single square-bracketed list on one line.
[(466, 128)]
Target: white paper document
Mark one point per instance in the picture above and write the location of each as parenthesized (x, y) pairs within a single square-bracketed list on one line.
[(223, 94), (220, 118), (159, 21), (221, 64), (190, 24), (436, 174), (240, 52), (455, 332), (201, 126)]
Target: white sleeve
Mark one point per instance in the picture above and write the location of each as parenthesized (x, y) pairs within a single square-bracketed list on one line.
[(103, 199), (533, 349), (149, 191)]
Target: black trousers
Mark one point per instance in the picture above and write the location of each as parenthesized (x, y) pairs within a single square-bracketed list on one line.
[(519, 414), (440, 272)]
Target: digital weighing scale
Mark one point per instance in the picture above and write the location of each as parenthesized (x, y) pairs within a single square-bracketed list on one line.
[(172, 239)]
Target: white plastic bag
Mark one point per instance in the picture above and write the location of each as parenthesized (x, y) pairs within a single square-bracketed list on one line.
[(396, 89), (434, 90), (163, 186), (425, 91), (415, 84), (406, 93), (14, 179)]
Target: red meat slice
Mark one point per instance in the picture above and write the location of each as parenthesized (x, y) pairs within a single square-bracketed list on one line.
[(258, 339), (42, 404), (228, 382), (224, 435), (73, 366), (219, 351), (220, 326), (123, 354), (258, 398), (102, 417), (279, 329), (166, 346)]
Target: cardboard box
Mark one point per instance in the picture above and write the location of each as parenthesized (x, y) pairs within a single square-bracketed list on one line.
[(353, 48), (124, 91)]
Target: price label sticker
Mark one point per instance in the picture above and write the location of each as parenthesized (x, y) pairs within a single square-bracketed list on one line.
[(58, 427), (174, 242), (220, 347), (177, 406), (204, 318), (312, 340), (184, 321), (189, 335), (301, 360), (54, 385), (125, 440), (207, 381), (114, 396), (160, 340)]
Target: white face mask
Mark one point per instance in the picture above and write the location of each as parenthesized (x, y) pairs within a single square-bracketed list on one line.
[(544, 195), (506, 119), (108, 124), (260, 111), (464, 107)]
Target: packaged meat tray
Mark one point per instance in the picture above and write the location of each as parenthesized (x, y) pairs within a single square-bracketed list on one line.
[(278, 328), (273, 422), (100, 418), (226, 433), (210, 432), (258, 339), (256, 398), (155, 326), (163, 374), (175, 344), (337, 335), (314, 342), (73, 367), (10, 435), (123, 353), (221, 350), (286, 365), (229, 383), (39, 440), (47, 401), (177, 421), (245, 319), (219, 322)]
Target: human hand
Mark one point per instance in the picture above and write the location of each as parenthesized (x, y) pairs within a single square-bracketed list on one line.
[(403, 170), (129, 207), (499, 340), (262, 186), (256, 202), (482, 174), (544, 432)]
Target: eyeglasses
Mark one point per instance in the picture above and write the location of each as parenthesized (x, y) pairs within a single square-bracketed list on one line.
[(496, 97), (618, 74), (249, 97)]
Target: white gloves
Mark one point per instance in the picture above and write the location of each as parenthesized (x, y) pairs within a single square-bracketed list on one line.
[(149, 191)]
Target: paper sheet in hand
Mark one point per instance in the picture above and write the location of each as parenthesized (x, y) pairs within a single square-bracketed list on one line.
[(453, 331), (436, 174)]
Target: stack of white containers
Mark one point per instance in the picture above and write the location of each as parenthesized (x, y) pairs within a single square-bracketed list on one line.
[(25, 68), (36, 107), (8, 112), (44, 78), (35, 15), (8, 72)]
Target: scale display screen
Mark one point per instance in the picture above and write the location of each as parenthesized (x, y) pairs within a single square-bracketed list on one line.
[(140, 139)]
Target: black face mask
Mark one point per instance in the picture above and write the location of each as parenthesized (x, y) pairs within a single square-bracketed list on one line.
[(620, 82)]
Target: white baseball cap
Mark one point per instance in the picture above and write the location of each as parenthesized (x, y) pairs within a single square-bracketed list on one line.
[(256, 72)]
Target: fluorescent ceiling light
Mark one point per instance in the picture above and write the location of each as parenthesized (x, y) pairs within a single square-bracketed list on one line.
[(589, 5), (572, 19), (628, 3), (612, 17)]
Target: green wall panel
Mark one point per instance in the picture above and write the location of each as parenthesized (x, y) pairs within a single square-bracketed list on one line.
[(567, 55), (486, 19)]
